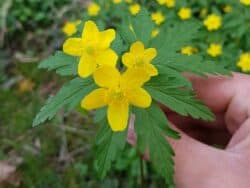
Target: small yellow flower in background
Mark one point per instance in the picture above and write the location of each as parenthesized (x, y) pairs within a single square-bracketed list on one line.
[(189, 50), (155, 32), (227, 9), (158, 17), (93, 48), (245, 2), (70, 28), (203, 12), (213, 22), (118, 91), (25, 85), (185, 13), (140, 58), (214, 50), (244, 62), (134, 9), (161, 2), (117, 1), (128, 1), (168, 3), (93, 9)]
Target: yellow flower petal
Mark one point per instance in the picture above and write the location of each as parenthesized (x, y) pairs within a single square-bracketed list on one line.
[(107, 57), (107, 76), (73, 46), (151, 70), (95, 99), (129, 60), (90, 31), (118, 113), (86, 66), (137, 48), (134, 78), (150, 54), (140, 98), (106, 37)]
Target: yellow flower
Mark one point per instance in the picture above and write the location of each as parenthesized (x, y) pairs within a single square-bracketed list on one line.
[(158, 17), (128, 1), (188, 50), (25, 85), (244, 62), (214, 50), (227, 8), (212, 22), (70, 28), (92, 48), (168, 3), (118, 91), (203, 12), (134, 9), (155, 32), (245, 2), (117, 1), (93, 9), (140, 58), (185, 13)]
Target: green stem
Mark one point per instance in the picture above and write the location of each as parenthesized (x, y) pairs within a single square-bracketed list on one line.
[(142, 172)]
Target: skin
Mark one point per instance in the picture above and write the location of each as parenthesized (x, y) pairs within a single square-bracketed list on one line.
[(197, 163)]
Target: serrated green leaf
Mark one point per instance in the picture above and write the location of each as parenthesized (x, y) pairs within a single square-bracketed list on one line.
[(172, 38), (126, 33), (151, 126), (117, 45), (69, 96), (179, 99), (100, 115), (64, 64), (143, 26), (195, 64), (109, 145)]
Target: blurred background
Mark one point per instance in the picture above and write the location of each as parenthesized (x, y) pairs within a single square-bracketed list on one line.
[(59, 154)]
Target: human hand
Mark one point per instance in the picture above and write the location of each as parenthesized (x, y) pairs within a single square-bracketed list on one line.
[(197, 163)]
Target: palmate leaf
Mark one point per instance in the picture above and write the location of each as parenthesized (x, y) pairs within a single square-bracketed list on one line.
[(64, 64), (168, 44), (143, 25), (193, 64), (69, 96), (109, 145), (151, 127), (172, 38), (141, 28), (174, 95)]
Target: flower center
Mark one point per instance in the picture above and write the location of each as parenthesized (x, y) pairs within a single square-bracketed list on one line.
[(140, 62), (90, 50), (116, 94)]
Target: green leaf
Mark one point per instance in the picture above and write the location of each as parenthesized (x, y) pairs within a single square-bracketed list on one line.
[(151, 126), (126, 33), (117, 45), (64, 64), (100, 115), (69, 96), (143, 26), (109, 145), (194, 64), (173, 37), (166, 73), (174, 95)]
